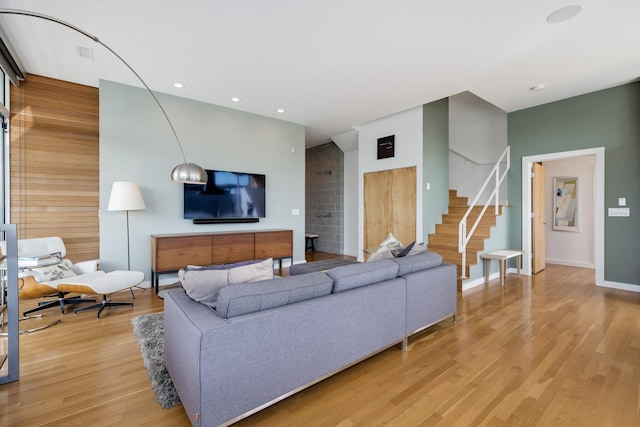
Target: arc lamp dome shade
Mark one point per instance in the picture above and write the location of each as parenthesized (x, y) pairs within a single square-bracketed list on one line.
[(189, 173)]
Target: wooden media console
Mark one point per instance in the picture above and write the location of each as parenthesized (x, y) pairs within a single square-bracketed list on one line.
[(171, 252)]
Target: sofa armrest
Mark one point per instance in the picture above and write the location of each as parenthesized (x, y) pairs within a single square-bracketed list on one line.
[(84, 267)]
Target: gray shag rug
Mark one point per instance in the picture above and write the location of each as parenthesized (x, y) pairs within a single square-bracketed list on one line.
[(149, 331)]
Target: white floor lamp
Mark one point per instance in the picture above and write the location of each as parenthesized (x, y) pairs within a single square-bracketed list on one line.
[(126, 196)]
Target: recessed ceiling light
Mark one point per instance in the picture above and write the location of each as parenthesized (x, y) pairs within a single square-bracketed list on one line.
[(280, 110), (178, 85), (564, 14), (536, 88), (235, 99)]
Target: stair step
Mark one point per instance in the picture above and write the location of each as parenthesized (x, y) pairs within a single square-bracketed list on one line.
[(487, 219), (491, 210), (483, 231), (445, 239), (459, 202), (453, 254), (451, 241)]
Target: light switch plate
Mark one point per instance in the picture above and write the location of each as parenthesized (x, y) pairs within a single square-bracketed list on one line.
[(295, 211), (618, 211), (622, 201)]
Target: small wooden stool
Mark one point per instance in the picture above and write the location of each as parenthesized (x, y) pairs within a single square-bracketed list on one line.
[(310, 238)]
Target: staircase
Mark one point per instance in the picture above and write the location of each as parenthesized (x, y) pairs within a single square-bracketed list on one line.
[(445, 239)]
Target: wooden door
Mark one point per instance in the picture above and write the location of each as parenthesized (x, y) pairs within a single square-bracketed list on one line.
[(538, 222), (389, 206)]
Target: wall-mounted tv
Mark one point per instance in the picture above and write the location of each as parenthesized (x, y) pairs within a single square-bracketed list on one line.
[(226, 196)]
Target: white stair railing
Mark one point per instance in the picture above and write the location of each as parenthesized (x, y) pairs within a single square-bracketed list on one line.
[(463, 236)]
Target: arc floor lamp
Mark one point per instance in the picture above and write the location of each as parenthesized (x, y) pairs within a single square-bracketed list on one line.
[(185, 172), (126, 196)]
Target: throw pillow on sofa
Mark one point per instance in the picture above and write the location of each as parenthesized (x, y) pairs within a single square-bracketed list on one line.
[(418, 249), (387, 249), (406, 250), (413, 249), (204, 283)]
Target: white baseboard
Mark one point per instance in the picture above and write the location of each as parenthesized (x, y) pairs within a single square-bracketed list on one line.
[(492, 276), (466, 285), (606, 284), (570, 263), (620, 286)]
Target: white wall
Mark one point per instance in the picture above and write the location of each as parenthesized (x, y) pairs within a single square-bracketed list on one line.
[(351, 209), (136, 144), (477, 138), (407, 128), (567, 247)]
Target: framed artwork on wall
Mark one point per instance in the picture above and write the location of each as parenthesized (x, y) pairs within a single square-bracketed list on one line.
[(386, 147), (565, 203)]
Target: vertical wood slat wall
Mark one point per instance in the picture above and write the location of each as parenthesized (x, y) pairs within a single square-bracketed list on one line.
[(54, 166)]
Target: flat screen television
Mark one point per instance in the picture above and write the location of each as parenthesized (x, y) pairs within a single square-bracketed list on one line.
[(226, 196)]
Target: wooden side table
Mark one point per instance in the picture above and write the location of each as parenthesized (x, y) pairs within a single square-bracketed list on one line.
[(502, 256)]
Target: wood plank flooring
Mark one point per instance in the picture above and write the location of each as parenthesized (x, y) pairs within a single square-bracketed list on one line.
[(547, 350)]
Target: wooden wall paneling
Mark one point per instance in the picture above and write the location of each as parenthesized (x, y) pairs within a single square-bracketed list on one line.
[(376, 196), (402, 204), (54, 166), (389, 206)]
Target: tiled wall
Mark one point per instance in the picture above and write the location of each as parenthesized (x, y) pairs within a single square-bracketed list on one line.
[(324, 204)]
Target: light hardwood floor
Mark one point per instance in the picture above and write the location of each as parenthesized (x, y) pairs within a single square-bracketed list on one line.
[(552, 349)]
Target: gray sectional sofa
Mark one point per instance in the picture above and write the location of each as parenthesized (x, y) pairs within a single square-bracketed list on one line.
[(267, 340)]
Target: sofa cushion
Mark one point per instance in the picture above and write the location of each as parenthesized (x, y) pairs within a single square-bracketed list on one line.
[(204, 283), (421, 261), (251, 297), (356, 275), (314, 266)]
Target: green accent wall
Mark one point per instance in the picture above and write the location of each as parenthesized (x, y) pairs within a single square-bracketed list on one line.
[(611, 119), (435, 133)]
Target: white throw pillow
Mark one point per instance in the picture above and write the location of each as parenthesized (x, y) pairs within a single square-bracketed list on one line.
[(52, 272), (383, 252), (252, 272), (394, 245), (203, 284), (387, 249)]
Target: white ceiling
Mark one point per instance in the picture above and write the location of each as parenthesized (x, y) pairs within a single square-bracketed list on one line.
[(335, 64)]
